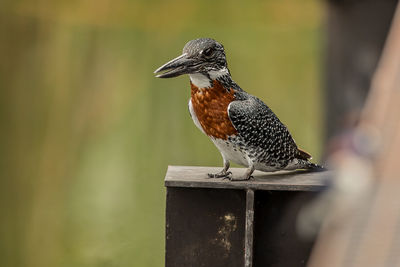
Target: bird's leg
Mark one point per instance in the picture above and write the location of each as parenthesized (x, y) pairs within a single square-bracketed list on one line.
[(246, 176), (222, 174)]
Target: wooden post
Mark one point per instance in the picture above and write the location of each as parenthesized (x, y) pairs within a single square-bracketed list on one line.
[(249, 233), (216, 222)]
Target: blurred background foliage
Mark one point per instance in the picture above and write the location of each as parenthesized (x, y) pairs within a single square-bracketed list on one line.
[(87, 131)]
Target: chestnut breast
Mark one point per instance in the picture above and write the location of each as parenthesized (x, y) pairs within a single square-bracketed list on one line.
[(211, 108)]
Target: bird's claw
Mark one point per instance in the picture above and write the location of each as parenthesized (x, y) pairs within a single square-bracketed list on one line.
[(251, 177), (222, 174)]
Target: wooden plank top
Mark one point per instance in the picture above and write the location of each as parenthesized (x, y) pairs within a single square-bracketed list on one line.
[(196, 177)]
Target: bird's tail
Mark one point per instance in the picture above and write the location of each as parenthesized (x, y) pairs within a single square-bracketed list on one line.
[(302, 154), (314, 167), (304, 164), (304, 161)]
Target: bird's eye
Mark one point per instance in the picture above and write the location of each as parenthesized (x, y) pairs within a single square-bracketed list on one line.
[(208, 52)]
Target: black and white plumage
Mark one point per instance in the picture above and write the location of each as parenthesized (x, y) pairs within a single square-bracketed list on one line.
[(243, 128)]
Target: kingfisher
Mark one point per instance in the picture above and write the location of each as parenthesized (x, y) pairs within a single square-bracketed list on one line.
[(241, 126)]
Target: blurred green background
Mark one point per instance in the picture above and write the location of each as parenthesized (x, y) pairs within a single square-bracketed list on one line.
[(87, 132)]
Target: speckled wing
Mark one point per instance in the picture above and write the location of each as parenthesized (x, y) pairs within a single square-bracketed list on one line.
[(261, 133)]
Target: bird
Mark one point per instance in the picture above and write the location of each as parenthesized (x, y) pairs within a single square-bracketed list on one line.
[(243, 128)]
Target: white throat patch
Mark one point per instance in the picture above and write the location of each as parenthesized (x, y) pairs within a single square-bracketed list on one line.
[(199, 80), (202, 81)]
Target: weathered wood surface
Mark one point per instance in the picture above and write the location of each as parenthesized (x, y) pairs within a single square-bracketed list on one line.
[(249, 231), (196, 177), (216, 222)]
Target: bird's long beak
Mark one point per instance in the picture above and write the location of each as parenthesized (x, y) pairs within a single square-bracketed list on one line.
[(177, 66)]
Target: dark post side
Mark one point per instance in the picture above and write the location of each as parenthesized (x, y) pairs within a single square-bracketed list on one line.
[(215, 222)]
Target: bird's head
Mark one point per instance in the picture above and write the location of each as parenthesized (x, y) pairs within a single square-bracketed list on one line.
[(203, 59)]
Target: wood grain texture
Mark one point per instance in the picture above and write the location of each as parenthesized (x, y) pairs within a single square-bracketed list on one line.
[(249, 230), (196, 177)]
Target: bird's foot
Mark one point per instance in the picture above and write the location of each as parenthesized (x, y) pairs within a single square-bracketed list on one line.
[(222, 174), (243, 178), (247, 175)]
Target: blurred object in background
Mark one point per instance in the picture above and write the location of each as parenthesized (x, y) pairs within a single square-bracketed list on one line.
[(87, 131), (356, 32), (362, 227)]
